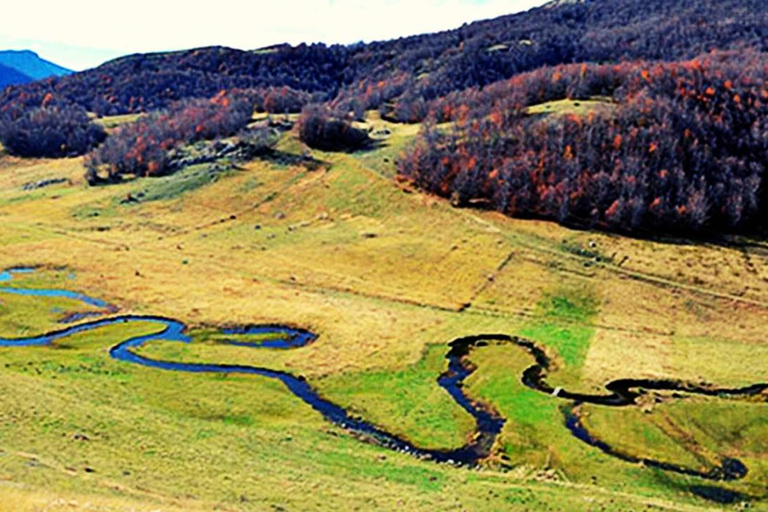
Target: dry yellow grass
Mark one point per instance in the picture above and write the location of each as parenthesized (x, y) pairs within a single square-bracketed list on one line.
[(18, 498), (381, 275), (342, 235)]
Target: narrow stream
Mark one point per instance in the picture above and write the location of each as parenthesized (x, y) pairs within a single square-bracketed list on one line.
[(489, 423)]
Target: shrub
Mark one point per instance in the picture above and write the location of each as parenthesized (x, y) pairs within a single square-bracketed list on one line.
[(258, 141), (221, 116), (282, 100), (144, 148), (320, 129), (49, 131)]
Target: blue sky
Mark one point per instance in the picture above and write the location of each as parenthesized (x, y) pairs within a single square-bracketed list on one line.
[(84, 33)]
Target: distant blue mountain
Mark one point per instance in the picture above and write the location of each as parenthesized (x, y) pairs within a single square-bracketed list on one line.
[(18, 67), (9, 76)]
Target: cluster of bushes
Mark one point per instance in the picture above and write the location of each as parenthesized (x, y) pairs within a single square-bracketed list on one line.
[(48, 130), (685, 148), (145, 148), (282, 100), (319, 128)]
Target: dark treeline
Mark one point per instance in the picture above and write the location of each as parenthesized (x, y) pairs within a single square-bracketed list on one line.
[(48, 129), (144, 83), (145, 147), (424, 68), (683, 149), (403, 74)]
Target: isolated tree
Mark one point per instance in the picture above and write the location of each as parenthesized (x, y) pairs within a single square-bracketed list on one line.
[(320, 129)]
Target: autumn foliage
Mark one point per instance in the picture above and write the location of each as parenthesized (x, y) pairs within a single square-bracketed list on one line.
[(683, 148), (50, 129), (144, 148), (281, 100), (401, 75)]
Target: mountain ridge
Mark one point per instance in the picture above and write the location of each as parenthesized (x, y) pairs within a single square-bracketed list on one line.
[(426, 66), (24, 66), (31, 64)]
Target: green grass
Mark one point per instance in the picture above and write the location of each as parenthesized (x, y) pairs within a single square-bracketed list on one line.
[(562, 324), (695, 433), (178, 184), (205, 439), (408, 402), (25, 315), (113, 122), (384, 277), (384, 159), (533, 419), (534, 440), (640, 434), (573, 107), (211, 335)]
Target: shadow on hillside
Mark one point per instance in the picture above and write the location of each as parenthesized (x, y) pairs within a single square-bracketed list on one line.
[(754, 238), (372, 145), (292, 159)]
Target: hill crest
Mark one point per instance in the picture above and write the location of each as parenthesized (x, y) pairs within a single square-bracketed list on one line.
[(404, 72), (30, 64)]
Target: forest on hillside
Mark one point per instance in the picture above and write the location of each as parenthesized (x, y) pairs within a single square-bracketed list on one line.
[(425, 67), (680, 145)]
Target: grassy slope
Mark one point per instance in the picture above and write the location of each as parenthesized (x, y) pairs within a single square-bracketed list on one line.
[(575, 107), (381, 275)]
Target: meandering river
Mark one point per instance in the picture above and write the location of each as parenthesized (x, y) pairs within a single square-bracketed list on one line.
[(489, 423)]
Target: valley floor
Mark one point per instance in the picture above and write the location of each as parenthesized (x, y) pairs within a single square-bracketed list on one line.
[(386, 277)]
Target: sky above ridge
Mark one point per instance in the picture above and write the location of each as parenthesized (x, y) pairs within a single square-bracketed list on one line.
[(80, 34)]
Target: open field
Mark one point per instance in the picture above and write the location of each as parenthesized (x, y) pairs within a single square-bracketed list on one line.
[(574, 107), (386, 277)]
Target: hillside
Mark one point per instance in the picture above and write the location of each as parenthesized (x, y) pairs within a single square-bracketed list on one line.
[(386, 278), (517, 266), (678, 149), (426, 66), (641, 147)]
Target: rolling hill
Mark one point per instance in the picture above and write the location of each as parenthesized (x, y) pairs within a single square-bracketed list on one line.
[(430, 65), (386, 279), (213, 310)]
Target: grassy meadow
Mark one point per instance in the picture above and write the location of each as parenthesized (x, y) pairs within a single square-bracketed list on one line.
[(386, 277)]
